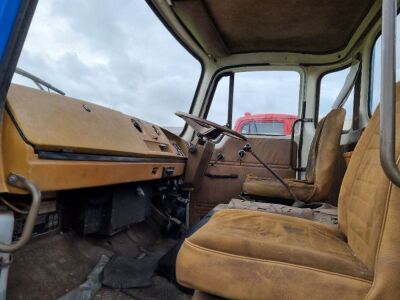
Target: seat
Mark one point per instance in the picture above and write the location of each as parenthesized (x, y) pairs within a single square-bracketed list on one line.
[(242, 254), (320, 171), (253, 253)]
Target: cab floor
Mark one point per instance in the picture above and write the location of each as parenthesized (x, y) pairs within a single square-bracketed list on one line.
[(50, 266)]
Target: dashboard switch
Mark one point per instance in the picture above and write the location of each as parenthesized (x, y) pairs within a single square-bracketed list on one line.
[(168, 171)]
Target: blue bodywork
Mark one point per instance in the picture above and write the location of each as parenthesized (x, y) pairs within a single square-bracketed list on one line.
[(8, 13)]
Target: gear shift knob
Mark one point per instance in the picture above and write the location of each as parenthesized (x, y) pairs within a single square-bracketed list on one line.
[(247, 147)]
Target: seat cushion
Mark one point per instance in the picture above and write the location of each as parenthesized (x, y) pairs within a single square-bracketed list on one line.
[(325, 214), (272, 188), (241, 254)]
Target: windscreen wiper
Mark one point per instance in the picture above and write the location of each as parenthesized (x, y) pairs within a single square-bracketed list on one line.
[(39, 82)]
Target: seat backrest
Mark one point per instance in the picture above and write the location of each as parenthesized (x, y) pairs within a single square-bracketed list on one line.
[(324, 150), (369, 210)]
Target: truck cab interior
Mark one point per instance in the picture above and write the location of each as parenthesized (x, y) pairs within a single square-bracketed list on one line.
[(295, 198)]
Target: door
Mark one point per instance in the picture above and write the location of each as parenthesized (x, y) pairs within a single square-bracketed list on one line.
[(263, 106)]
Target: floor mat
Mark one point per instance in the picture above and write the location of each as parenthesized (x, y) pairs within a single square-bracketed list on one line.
[(161, 290), (91, 286), (50, 266), (124, 272)]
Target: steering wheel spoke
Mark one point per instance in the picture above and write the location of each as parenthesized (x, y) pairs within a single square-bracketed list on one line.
[(208, 129)]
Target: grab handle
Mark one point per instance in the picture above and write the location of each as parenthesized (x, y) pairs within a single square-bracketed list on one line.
[(388, 101), (25, 184)]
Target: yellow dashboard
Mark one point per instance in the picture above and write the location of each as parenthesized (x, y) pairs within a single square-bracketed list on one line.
[(63, 143)]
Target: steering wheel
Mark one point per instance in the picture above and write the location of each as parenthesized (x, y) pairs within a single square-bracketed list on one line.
[(208, 129)]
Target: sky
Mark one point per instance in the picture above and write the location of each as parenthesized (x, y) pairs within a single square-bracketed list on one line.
[(122, 57), (257, 93)]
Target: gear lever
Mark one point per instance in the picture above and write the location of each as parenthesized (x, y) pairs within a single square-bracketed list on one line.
[(297, 203)]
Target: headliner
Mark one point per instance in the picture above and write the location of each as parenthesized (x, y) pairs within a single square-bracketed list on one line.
[(224, 27)]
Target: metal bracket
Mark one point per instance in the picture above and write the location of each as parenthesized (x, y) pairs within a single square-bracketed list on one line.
[(292, 163), (25, 184), (17, 181), (4, 262)]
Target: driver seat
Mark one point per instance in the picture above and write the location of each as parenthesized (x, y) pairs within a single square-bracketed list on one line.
[(320, 171)]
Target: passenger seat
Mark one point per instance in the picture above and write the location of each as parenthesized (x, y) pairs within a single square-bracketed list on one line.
[(320, 171)]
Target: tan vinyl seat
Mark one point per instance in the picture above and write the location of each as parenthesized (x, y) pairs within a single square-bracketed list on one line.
[(320, 171), (242, 254)]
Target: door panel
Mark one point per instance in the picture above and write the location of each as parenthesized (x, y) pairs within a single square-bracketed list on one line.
[(223, 179)]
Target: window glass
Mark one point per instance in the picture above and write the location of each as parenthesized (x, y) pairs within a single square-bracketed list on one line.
[(119, 56), (375, 84), (267, 101), (264, 102), (218, 112), (245, 129), (331, 85), (258, 127)]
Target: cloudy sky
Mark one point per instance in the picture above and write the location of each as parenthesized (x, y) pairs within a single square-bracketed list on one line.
[(122, 57), (117, 56)]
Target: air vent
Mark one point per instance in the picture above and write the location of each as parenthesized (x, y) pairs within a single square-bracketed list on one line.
[(136, 125), (163, 147), (156, 130)]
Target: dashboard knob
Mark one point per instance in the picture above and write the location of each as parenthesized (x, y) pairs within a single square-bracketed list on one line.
[(192, 148), (247, 147)]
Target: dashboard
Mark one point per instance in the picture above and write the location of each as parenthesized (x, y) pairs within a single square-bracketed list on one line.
[(62, 143)]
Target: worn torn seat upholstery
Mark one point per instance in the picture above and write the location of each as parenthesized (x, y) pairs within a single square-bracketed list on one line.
[(320, 171), (243, 254), (325, 213)]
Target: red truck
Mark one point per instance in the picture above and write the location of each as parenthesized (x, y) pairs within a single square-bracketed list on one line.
[(265, 124)]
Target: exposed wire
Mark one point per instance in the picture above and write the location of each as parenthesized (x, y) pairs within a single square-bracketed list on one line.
[(12, 207)]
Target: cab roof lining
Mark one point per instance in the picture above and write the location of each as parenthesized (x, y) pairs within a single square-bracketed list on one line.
[(225, 27)]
